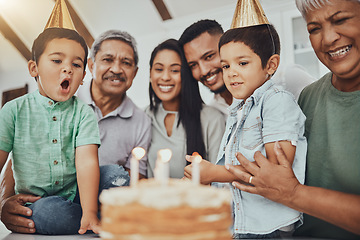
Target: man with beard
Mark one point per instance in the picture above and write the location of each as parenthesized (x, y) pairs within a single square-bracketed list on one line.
[(200, 43), (123, 126)]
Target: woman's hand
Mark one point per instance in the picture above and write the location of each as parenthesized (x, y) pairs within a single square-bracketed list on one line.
[(275, 181)]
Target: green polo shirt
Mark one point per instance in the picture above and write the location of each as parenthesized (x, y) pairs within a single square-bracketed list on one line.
[(43, 136)]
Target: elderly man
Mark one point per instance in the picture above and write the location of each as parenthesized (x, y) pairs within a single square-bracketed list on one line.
[(200, 43), (123, 126)]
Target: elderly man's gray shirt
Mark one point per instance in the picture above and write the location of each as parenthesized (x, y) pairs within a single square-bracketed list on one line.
[(121, 130)]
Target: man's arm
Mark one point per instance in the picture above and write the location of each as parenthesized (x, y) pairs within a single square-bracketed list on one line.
[(12, 206), (277, 182)]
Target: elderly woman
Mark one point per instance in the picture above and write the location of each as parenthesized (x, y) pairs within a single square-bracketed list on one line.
[(330, 197)]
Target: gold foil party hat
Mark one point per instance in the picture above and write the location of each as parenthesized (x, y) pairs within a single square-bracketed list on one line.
[(248, 13), (60, 17)]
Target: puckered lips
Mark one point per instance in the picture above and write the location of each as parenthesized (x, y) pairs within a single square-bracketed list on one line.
[(65, 85), (339, 52)]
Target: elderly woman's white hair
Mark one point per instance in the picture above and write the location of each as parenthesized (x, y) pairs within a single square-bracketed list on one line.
[(305, 5)]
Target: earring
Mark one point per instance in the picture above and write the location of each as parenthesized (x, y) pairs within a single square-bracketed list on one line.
[(82, 82)]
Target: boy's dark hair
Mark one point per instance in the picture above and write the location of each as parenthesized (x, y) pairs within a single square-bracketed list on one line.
[(262, 39), (196, 29), (190, 100), (49, 34)]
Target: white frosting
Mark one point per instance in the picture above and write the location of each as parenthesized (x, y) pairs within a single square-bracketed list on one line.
[(212, 217), (150, 193), (106, 235)]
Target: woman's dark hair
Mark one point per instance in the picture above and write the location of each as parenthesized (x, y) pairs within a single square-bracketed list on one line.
[(262, 39), (190, 100), (49, 34)]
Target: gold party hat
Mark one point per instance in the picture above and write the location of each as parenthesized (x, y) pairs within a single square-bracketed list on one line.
[(248, 13), (60, 17)]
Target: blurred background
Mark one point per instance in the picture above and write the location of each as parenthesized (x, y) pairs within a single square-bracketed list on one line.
[(150, 22)]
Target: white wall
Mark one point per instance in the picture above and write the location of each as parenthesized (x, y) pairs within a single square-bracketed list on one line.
[(174, 29), (17, 76)]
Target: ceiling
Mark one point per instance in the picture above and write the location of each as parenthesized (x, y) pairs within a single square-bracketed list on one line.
[(21, 21), (27, 18)]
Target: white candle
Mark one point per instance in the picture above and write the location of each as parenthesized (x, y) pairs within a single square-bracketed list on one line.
[(162, 171), (137, 154), (196, 170)]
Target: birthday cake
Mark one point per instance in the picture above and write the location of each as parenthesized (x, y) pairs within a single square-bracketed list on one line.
[(179, 210)]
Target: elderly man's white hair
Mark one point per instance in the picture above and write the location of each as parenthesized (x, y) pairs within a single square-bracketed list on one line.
[(114, 35), (305, 5)]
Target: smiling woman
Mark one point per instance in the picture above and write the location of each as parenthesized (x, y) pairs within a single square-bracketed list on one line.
[(335, 37), (330, 197), (180, 120), (165, 79)]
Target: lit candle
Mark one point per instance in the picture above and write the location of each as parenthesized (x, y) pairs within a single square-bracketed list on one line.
[(162, 171), (137, 154), (196, 168)]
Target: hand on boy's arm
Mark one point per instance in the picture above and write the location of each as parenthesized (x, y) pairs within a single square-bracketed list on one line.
[(11, 210), (209, 172), (12, 206), (275, 181), (89, 221)]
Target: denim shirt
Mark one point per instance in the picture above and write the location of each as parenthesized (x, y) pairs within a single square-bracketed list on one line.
[(270, 114)]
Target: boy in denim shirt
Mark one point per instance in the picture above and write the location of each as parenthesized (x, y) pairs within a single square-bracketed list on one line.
[(261, 115)]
